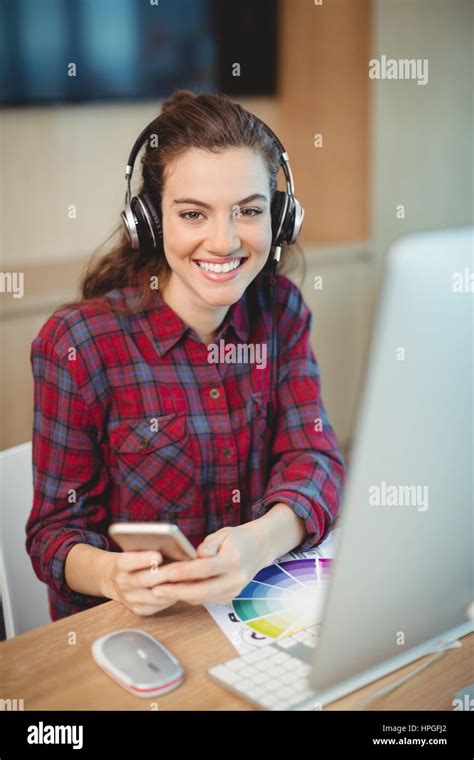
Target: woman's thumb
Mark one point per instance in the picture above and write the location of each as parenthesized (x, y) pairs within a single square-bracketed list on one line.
[(210, 545)]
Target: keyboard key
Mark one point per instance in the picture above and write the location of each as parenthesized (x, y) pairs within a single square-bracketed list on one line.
[(262, 667), (286, 643), (298, 665), (259, 677), (224, 674), (235, 664), (254, 656), (274, 685), (243, 684), (288, 665), (287, 677), (281, 657), (286, 693), (256, 693), (247, 672), (266, 651)]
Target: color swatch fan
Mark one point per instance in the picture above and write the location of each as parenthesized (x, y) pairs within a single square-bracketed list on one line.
[(284, 597)]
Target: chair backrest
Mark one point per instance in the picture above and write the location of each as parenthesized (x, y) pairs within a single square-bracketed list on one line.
[(24, 596)]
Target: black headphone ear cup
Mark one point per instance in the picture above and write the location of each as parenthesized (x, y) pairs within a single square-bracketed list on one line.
[(278, 209), (148, 225), (140, 222), (155, 217)]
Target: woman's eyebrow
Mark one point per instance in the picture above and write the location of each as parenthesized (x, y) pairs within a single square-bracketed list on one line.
[(194, 202)]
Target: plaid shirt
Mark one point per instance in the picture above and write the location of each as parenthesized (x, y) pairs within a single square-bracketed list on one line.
[(104, 382)]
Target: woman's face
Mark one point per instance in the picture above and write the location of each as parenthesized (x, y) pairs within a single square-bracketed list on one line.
[(216, 209)]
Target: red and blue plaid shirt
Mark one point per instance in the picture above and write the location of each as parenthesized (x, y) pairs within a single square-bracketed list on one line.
[(133, 422)]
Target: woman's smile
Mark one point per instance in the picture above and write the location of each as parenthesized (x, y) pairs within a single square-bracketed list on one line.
[(220, 271)]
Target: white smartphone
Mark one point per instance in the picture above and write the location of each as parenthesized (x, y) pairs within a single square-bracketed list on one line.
[(163, 537)]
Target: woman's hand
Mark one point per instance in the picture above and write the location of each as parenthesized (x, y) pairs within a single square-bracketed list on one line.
[(130, 578), (213, 579)]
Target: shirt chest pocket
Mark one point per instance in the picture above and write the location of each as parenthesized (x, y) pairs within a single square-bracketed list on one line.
[(251, 433), (155, 467)]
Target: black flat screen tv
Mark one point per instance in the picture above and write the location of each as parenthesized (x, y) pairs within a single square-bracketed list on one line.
[(68, 51)]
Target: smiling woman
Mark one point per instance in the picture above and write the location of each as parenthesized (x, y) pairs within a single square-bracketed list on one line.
[(223, 242), (134, 423)]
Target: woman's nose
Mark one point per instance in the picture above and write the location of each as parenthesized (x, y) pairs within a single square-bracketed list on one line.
[(223, 236)]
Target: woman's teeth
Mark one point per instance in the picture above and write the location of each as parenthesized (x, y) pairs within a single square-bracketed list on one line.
[(227, 267)]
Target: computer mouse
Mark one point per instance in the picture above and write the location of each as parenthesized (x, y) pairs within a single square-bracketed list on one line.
[(138, 662)]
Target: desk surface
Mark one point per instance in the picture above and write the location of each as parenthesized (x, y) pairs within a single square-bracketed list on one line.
[(46, 669)]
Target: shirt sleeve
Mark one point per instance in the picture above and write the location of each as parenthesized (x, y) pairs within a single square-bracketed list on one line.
[(307, 468), (69, 479)]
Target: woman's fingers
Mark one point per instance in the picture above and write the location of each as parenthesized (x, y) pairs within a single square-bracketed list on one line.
[(193, 569), (220, 589), (145, 610), (130, 561), (143, 578), (138, 599)]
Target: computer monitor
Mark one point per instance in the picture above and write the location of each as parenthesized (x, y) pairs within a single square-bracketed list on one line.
[(402, 576)]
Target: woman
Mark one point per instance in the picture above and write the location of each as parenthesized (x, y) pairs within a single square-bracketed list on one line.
[(142, 413)]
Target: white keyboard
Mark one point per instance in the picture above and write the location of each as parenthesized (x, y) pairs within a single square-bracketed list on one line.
[(275, 676)]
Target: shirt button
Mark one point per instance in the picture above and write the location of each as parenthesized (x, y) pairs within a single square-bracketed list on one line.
[(214, 393), (227, 452)]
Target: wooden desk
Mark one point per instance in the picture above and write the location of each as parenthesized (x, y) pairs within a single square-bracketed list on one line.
[(48, 672)]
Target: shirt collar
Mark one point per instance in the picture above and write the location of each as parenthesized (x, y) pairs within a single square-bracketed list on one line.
[(168, 328)]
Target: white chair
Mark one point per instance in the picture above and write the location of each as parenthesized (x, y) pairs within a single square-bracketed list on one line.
[(24, 596)]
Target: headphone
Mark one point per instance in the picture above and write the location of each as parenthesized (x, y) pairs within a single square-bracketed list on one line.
[(142, 223)]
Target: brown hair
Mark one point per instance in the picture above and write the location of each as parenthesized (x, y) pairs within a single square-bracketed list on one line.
[(209, 121)]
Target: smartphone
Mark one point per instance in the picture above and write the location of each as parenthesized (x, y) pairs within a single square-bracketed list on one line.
[(163, 537)]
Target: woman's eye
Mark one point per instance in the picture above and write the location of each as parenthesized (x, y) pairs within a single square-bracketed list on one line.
[(185, 215), (249, 212), (256, 210)]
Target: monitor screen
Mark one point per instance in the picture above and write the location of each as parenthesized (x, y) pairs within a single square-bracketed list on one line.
[(98, 50)]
